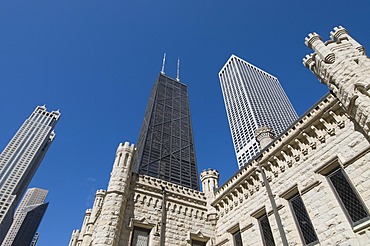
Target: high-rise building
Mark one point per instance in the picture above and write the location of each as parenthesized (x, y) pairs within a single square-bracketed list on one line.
[(253, 98), (165, 148), (27, 218), (20, 160)]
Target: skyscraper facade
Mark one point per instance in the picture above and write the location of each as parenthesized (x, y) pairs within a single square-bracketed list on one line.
[(20, 160), (253, 98), (165, 148), (27, 218)]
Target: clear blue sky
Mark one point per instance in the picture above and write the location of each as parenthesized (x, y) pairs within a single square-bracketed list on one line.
[(97, 60)]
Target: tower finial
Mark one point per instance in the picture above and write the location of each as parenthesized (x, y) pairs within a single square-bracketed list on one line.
[(163, 63), (178, 69)]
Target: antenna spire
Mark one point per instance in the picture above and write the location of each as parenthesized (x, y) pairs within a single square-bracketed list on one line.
[(178, 69), (163, 63)]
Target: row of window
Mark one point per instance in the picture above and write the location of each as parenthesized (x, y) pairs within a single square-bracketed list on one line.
[(353, 207)]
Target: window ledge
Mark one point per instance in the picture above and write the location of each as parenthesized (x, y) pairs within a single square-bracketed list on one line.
[(362, 226)]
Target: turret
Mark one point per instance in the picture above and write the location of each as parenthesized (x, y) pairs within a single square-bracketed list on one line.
[(74, 238), (209, 179), (341, 64), (264, 136), (94, 214), (108, 226), (84, 225)]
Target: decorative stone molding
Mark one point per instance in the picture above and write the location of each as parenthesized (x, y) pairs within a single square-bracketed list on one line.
[(290, 149)]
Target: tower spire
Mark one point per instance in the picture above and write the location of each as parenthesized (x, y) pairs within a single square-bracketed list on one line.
[(178, 69), (163, 63)]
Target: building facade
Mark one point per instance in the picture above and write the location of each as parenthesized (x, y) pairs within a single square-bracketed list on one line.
[(20, 160), (165, 148), (253, 98), (27, 218), (309, 186)]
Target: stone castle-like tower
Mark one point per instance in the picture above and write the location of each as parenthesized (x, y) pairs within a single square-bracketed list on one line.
[(309, 186)]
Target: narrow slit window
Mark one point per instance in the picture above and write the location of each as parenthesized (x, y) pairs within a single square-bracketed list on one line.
[(267, 237), (348, 197), (303, 220)]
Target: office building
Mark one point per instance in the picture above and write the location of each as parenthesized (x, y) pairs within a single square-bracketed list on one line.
[(253, 98), (165, 148), (27, 218), (20, 160)]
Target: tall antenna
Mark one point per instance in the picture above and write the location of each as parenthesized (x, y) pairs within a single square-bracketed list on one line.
[(178, 69), (163, 63)]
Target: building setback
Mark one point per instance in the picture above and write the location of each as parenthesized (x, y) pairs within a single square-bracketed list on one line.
[(27, 218), (253, 99), (20, 160), (165, 148), (309, 186)]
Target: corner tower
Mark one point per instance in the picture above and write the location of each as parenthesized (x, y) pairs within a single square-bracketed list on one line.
[(342, 64), (165, 148)]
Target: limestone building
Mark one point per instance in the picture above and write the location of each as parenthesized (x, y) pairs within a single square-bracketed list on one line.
[(309, 186)]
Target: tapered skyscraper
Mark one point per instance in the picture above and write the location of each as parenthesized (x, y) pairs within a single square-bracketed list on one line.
[(20, 160), (253, 98), (165, 148), (27, 218)]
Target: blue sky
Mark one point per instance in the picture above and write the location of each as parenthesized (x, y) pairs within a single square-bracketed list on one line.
[(97, 60)]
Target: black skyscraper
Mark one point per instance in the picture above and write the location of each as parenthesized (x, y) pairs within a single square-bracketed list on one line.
[(165, 148)]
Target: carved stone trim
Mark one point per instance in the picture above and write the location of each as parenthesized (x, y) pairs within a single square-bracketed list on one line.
[(328, 166), (290, 192), (222, 242), (198, 235), (234, 228), (310, 187)]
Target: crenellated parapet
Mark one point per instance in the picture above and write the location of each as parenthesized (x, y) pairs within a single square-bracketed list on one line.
[(312, 131), (176, 193), (342, 64)]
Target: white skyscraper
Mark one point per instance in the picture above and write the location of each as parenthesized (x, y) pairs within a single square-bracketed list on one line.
[(27, 218), (253, 98), (20, 160)]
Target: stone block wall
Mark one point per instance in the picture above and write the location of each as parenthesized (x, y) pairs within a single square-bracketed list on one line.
[(185, 213), (297, 163)]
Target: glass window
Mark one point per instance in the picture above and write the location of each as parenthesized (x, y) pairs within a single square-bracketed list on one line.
[(348, 197), (303, 220), (237, 239), (140, 237), (266, 232), (197, 243)]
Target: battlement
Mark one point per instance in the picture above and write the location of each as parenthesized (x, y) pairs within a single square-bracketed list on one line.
[(126, 147), (101, 192), (210, 173)]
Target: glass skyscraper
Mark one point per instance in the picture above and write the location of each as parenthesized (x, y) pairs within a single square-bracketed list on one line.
[(20, 160), (253, 98), (165, 148)]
